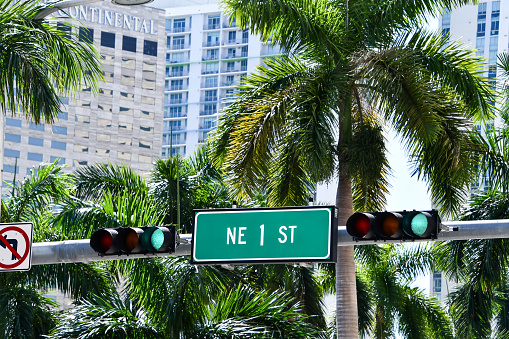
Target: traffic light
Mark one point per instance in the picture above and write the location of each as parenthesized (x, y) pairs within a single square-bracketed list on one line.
[(133, 240), (405, 225)]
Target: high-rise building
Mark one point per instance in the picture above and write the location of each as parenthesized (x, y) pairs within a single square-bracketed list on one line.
[(121, 124), (483, 27), (207, 54)]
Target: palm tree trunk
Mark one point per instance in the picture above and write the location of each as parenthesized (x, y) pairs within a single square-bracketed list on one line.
[(346, 291)]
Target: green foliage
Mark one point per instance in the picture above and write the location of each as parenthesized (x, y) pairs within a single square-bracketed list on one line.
[(24, 312), (39, 62), (105, 317)]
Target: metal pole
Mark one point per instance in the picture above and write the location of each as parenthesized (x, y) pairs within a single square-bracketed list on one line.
[(72, 251)]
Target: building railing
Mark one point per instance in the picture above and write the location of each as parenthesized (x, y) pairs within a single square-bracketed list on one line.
[(176, 47), (212, 26), (172, 115), (177, 74), (229, 24), (211, 43), (210, 72), (208, 112), (178, 29), (210, 58), (176, 87)]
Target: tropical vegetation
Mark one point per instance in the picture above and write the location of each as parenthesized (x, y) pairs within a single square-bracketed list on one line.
[(351, 70)]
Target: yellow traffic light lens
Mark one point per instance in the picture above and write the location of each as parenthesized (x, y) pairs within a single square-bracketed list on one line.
[(131, 240), (390, 225), (419, 224)]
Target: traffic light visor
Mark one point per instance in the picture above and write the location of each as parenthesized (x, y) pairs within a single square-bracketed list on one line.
[(418, 224), (387, 225), (359, 225), (155, 238), (102, 240)]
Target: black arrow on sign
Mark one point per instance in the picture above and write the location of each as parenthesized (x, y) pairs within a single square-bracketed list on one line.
[(13, 243)]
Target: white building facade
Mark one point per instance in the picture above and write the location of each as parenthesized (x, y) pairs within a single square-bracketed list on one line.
[(206, 56)]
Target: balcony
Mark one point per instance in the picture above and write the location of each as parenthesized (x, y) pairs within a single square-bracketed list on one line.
[(173, 115), (177, 74), (178, 29), (176, 101), (177, 61), (209, 85), (212, 26), (176, 88), (229, 83), (177, 47), (175, 142), (210, 99), (211, 44), (210, 58), (231, 70), (210, 72), (174, 128), (208, 125), (236, 41), (208, 112), (229, 25)]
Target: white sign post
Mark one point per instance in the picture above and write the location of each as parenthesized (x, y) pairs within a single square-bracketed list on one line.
[(15, 246)]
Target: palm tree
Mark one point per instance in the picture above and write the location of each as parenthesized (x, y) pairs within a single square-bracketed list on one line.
[(40, 62), (26, 312), (317, 113)]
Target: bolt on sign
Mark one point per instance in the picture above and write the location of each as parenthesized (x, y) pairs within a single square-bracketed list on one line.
[(265, 235), (15, 246)]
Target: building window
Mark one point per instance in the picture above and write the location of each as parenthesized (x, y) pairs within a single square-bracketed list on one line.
[(244, 51), (214, 21), (34, 156), (494, 26), (213, 39), (11, 153), (63, 115), (245, 36), (64, 27), (212, 67), (129, 44), (212, 54), (11, 169), (179, 25), (12, 137), (481, 27), (145, 144), (481, 10), (61, 161), (13, 122), (108, 39), (34, 126), (209, 109), (211, 81), (230, 66), (86, 34), (243, 65), (211, 95), (58, 145), (150, 47), (479, 44), (231, 53), (59, 130), (232, 36), (495, 9), (35, 141)]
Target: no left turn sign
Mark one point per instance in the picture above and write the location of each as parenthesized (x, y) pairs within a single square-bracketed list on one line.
[(15, 246)]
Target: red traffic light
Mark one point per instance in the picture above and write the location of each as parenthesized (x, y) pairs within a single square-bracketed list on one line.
[(405, 226)]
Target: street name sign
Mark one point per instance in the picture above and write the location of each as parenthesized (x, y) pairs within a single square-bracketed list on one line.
[(264, 235), (15, 246)]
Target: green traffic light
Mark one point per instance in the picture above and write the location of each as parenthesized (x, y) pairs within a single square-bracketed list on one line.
[(157, 239), (419, 224)]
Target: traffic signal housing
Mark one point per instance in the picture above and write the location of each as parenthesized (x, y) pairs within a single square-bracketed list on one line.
[(401, 226), (135, 240)]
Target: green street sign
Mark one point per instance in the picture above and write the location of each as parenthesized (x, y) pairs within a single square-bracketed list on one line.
[(265, 235)]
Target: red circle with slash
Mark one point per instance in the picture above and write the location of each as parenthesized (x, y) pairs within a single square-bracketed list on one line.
[(13, 251)]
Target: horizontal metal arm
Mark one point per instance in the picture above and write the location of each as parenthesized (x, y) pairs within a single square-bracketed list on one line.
[(72, 251)]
